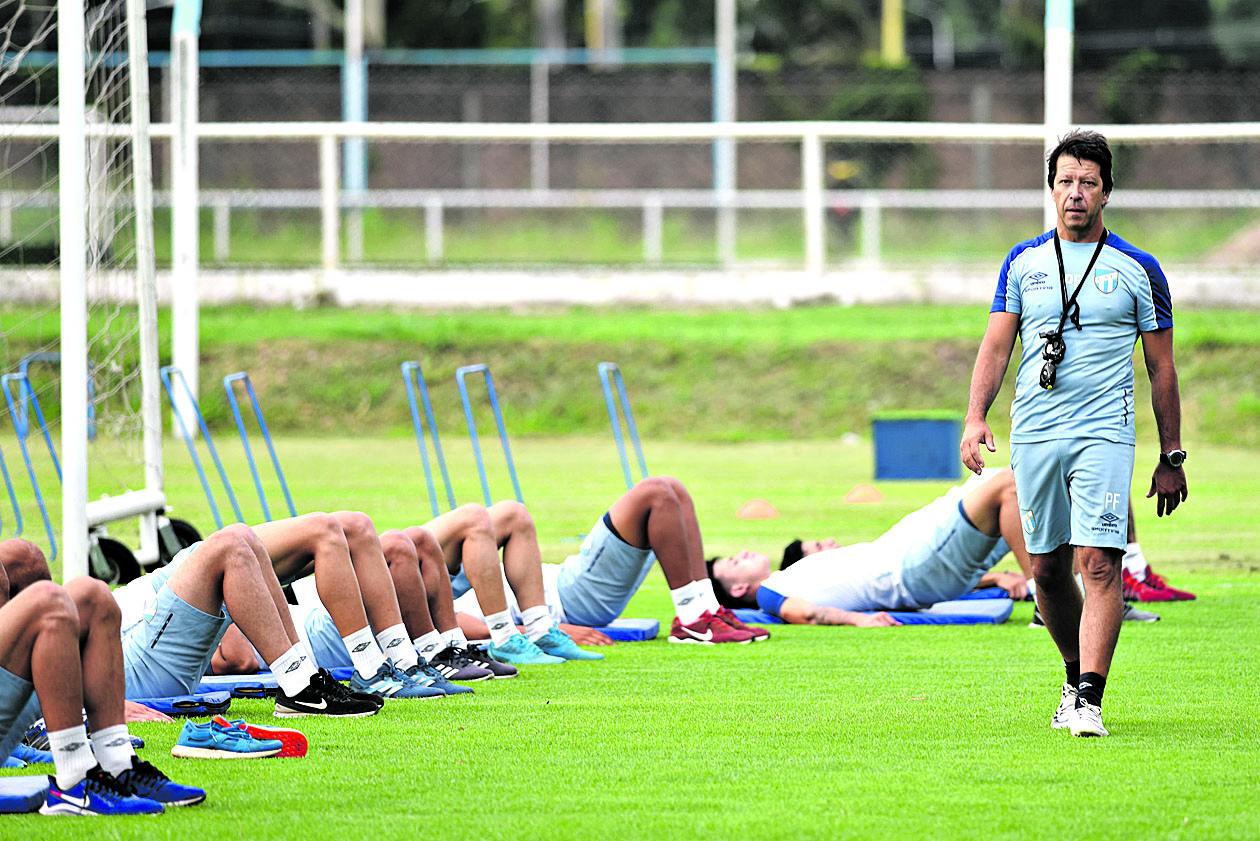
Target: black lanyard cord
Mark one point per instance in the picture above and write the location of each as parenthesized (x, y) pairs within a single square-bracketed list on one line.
[(1070, 304)]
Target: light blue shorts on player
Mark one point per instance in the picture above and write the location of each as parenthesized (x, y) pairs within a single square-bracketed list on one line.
[(596, 584), (168, 653), (952, 562), (18, 708), (460, 583), (325, 640), (1073, 491)]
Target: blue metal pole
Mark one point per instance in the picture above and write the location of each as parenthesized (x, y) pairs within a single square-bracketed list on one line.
[(460, 377), (22, 426), (413, 378), (168, 374), (243, 377)]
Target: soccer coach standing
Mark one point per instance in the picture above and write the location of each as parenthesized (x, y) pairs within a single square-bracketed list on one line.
[(1079, 297)]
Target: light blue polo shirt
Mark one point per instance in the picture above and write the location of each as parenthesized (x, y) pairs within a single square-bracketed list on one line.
[(1127, 293)]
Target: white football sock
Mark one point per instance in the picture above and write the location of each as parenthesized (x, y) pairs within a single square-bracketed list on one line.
[(537, 621), (429, 645), (365, 654), (501, 626), (112, 746), (72, 755), (396, 646), (1134, 561), (455, 638), (707, 597), (294, 669), (688, 603)]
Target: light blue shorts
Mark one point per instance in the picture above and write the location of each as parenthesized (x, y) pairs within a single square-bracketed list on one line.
[(1073, 491), (168, 653), (952, 562), (460, 583), (18, 708), (325, 640), (596, 584)]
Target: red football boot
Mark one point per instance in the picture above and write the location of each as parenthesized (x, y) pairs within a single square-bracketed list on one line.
[(293, 741), (1142, 591), (707, 630), (1157, 581), (728, 616)]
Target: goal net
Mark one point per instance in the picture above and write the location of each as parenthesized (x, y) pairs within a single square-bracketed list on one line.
[(78, 333)]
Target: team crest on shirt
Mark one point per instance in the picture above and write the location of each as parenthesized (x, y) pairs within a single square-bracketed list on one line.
[(1030, 522), (1108, 282)]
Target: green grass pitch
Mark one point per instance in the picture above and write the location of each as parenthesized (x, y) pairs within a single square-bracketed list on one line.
[(820, 733)]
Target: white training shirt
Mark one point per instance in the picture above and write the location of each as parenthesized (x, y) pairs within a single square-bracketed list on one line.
[(136, 599), (863, 576)]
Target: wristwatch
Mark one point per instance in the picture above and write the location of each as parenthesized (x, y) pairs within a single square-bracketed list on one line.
[(1173, 458)]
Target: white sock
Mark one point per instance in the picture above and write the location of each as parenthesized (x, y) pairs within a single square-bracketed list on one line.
[(112, 746), (537, 621), (1134, 561), (455, 638), (707, 597), (294, 669), (1032, 588), (396, 645), (429, 645), (72, 755), (501, 626), (688, 603), (365, 654)]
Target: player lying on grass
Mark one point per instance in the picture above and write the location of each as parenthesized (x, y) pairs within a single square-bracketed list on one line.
[(60, 657), (356, 622), (654, 522), (935, 554)]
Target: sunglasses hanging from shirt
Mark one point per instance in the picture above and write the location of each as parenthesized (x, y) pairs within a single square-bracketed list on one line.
[(1056, 348)]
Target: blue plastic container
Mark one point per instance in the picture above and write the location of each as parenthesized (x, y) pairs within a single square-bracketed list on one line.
[(909, 446)]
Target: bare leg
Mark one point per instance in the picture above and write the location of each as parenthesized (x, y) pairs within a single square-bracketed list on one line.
[(100, 651), (515, 534), (1059, 600), (468, 540), (437, 581), (39, 641), (24, 563), (1104, 607), (404, 569), (650, 516), (225, 569), (993, 508), (379, 597), (691, 523), (316, 542), (234, 656)]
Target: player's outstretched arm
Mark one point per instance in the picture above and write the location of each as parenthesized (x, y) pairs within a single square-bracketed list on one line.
[(1167, 483), (798, 611), (986, 380)]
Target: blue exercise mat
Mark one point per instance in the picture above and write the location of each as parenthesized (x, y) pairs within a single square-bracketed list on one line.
[(984, 611), (255, 685), (983, 593), (631, 630), (22, 794), (199, 703)]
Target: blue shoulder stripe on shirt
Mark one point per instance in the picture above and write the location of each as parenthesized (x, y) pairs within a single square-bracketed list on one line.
[(999, 297), (1160, 295), (770, 601)]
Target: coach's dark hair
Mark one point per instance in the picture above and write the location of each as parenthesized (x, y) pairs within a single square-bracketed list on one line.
[(725, 599), (1084, 146), (792, 553)]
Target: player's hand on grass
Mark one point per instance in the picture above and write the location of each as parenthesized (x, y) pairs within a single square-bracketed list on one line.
[(1169, 485), (976, 432), (875, 620), (583, 635), (1015, 585), (139, 712)]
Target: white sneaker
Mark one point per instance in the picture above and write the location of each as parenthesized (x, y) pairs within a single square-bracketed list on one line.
[(1133, 614), (1067, 703), (1086, 720)]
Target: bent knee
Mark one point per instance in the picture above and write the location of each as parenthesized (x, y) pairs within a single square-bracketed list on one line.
[(52, 602), (512, 516), (658, 491), (355, 524), (474, 518), (91, 595), (398, 548)]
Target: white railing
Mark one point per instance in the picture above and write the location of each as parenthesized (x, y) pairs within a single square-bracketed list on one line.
[(810, 199)]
